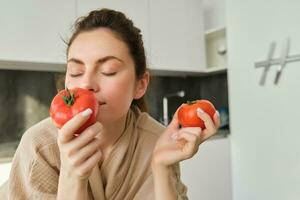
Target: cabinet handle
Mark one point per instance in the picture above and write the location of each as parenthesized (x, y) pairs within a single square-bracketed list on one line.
[(268, 63), (282, 61)]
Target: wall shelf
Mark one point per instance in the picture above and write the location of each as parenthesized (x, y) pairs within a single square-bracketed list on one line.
[(216, 50)]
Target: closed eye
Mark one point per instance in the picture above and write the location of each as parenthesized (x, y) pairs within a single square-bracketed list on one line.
[(74, 75), (109, 74)]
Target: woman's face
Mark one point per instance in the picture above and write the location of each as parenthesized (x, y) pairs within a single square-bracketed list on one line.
[(100, 61)]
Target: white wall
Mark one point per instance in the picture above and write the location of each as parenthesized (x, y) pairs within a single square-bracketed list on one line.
[(264, 119), (214, 14)]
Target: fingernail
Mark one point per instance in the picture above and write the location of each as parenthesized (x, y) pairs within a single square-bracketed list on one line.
[(174, 136), (200, 111), (87, 112), (218, 114)]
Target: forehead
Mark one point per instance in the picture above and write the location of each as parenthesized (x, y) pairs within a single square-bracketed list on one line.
[(99, 41)]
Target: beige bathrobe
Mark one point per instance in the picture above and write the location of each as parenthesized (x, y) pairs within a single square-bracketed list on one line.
[(125, 175)]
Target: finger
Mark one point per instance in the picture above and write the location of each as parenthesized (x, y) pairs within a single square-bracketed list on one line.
[(90, 163), (86, 152), (189, 137), (191, 144), (85, 137), (66, 133), (193, 130), (209, 124), (217, 119), (182, 138), (169, 155), (174, 124)]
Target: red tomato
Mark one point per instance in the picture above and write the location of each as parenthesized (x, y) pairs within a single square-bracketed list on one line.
[(187, 113), (68, 103)]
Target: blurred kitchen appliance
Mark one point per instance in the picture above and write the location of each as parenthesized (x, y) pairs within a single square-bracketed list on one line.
[(180, 93)]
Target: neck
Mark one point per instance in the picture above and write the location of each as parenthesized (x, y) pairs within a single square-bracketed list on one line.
[(111, 133)]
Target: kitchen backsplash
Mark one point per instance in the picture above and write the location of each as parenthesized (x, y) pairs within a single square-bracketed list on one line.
[(213, 88), (26, 96), (24, 100)]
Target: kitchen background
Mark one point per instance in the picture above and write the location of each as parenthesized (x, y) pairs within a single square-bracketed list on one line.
[(31, 92), (206, 48), (33, 61), (31, 71)]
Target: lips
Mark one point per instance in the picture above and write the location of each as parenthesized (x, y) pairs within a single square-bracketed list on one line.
[(101, 103)]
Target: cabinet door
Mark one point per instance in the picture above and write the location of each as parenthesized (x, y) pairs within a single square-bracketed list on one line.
[(264, 119), (136, 10), (176, 35), (34, 30), (207, 175)]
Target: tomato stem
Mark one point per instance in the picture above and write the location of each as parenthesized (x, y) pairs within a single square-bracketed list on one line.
[(69, 99), (191, 102)]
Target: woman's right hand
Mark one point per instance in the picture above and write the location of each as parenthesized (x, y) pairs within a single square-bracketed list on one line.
[(79, 155)]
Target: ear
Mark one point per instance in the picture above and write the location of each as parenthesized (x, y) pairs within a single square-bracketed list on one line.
[(141, 86)]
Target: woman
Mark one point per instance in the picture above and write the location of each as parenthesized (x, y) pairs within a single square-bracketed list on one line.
[(126, 154)]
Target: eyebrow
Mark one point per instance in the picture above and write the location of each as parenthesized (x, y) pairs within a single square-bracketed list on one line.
[(99, 61)]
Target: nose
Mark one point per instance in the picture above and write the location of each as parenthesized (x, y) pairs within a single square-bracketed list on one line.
[(90, 82)]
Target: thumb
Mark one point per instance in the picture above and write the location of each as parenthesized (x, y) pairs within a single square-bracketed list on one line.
[(71, 126), (174, 124)]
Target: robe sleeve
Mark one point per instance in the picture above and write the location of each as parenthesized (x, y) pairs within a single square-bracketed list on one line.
[(146, 191), (33, 174), (180, 186)]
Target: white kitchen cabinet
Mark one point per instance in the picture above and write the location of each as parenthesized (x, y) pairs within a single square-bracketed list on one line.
[(34, 30), (208, 174), (136, 10), (216, 50), (215, 36), (177, 35), (214, 14), (174, 38), (264, 119)]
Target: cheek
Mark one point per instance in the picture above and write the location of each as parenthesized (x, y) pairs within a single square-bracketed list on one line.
[(120, 90), (71, 83), (119, 95)]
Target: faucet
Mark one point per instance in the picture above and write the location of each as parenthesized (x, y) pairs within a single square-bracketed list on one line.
[(180, 93)]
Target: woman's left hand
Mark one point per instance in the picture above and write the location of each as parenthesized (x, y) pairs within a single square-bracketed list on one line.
[(177, 144)]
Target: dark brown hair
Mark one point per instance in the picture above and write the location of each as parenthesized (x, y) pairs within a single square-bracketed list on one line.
[(124, 28)]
